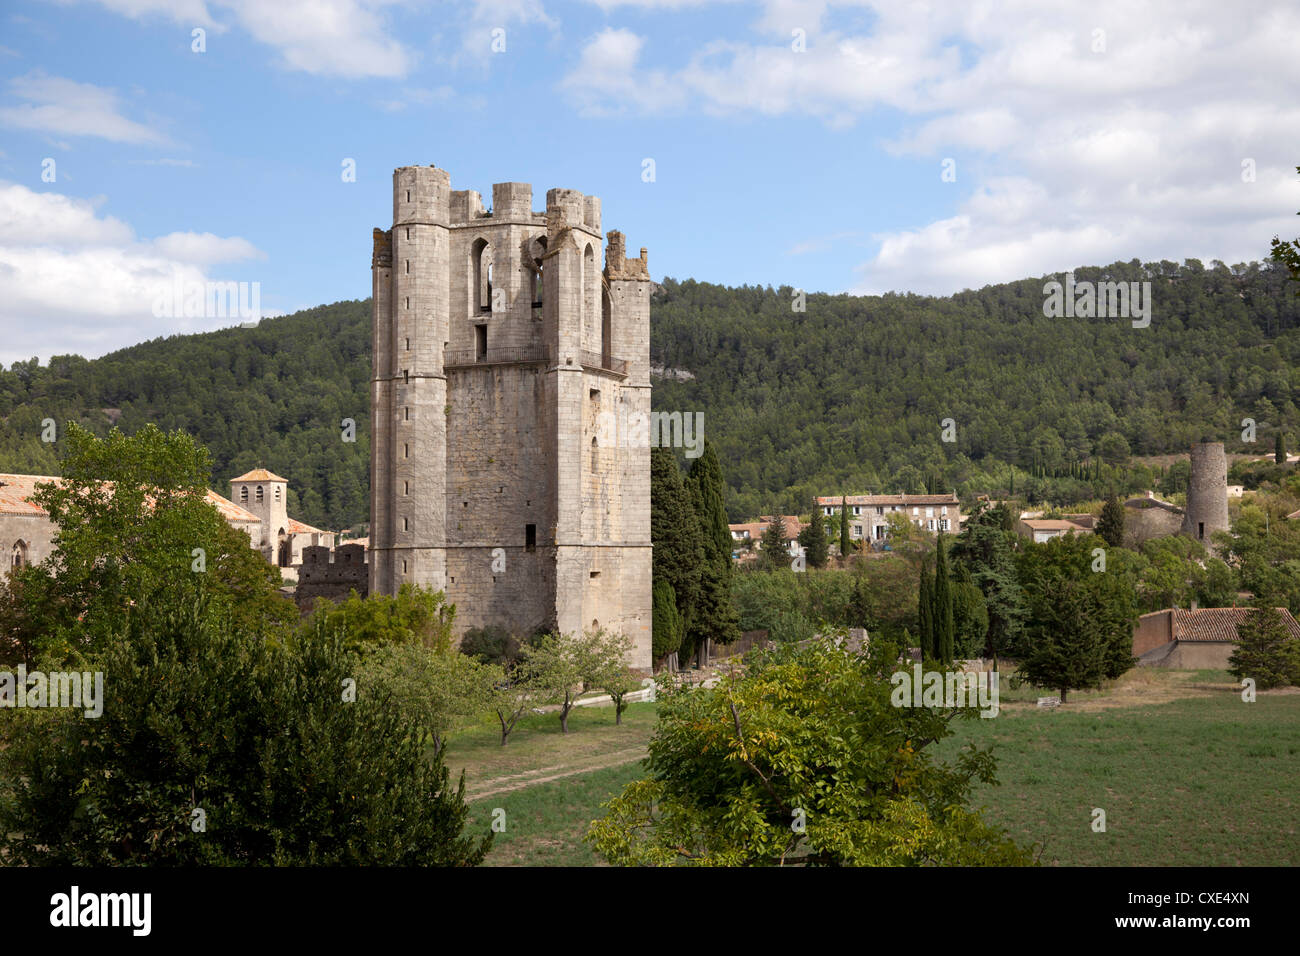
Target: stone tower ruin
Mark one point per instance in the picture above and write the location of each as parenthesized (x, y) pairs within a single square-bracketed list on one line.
[(502, 352), (1207, 494)]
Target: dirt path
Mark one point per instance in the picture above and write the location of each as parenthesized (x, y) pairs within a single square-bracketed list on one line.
[(529, 778)]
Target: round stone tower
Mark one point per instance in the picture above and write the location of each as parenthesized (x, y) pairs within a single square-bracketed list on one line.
[(1207, 494)]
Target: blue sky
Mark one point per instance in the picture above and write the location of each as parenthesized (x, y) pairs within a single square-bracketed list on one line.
[(1082, 134)]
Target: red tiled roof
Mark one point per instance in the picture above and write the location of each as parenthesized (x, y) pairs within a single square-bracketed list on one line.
[(1052, 524), (260, 474), (756, 528), (297, 527), (888, 500), (1216, 625), (16, 492)]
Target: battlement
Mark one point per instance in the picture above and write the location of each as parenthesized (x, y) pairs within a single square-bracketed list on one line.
[(618, 266), (331, 576)]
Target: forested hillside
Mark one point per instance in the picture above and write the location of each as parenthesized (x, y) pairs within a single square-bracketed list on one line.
[(847, 396)]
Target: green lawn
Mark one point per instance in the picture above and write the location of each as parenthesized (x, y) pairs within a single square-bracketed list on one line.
[(1200, 781), (1187, 773)]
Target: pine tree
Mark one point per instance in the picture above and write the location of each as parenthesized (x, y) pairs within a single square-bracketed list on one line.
[(1265, 652), (1110, 527), (845, 543), (944, 628), (774, 542), (925, 613), (813, 539)]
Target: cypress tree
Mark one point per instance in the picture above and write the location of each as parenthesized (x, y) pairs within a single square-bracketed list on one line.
[(813, 539), (773, 542), (1110, 527), (715, 617), (666, 621), (944, 627), (1279, 449), (845, 543), (925, 613), (674, 533)]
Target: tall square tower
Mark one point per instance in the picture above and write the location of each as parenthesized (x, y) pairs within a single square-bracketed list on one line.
[(508, 464)]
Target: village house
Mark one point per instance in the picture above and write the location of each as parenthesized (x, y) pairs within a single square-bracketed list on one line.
[(869, 514), (1193, 639), (1039, 530), (27, 533)]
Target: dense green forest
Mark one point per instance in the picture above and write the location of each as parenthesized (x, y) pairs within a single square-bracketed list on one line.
[(848, 396)]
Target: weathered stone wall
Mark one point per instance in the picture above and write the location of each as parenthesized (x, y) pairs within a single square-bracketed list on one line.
[(1207, 493), (319, 576), (1142, 523), (501, 430), (35, 532)]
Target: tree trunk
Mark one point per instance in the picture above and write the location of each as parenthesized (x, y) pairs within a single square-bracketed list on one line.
[(618, 711), (1063, 692), (564, 717)]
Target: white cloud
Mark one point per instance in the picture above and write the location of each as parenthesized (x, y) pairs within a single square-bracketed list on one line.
[(58, 105), (72, 280), (1072, 146), (347, 38)]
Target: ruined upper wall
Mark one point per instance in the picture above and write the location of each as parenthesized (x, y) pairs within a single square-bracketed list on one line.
[(618, 266)]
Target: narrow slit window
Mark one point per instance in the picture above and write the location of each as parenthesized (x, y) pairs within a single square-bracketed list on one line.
[(530, 537)]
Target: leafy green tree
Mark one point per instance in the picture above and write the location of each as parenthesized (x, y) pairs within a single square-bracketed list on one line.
[(1110, 527), (448, 691), (970, 618), (415, 615), (942, 617), (259, 737), (491, 644), (985, 547), (134, 528), (1265, 651), (756, 773), (1287, 254), (1080, 625), (611, 673), (813, 539)]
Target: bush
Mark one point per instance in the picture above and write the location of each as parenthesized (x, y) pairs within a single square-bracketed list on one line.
[(259, 737)]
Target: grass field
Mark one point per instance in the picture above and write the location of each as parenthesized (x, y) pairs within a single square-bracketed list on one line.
[(549, 785), (1200, 778), (1187, 773)]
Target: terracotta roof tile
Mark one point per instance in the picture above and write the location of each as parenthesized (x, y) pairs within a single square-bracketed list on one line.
[(260, 474), (1215, 624)]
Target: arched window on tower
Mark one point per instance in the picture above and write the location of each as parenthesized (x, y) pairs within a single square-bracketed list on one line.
[(606, 328), (260, 495), (18, 556), (481, 270), (243, 492), (277, 492), (537, 252), (590, 293)]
